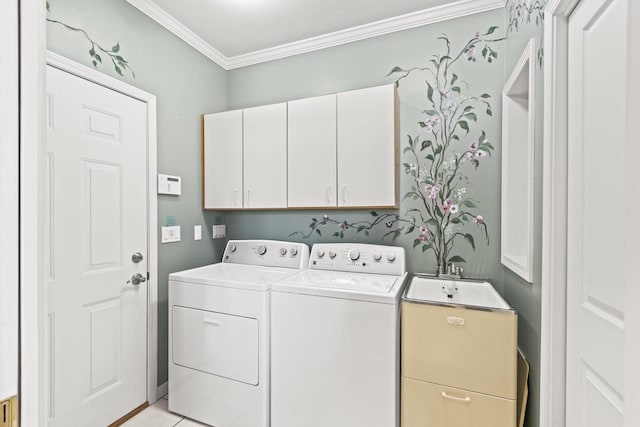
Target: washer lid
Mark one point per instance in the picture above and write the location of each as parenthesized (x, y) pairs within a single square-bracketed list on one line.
[(238, 276), (358, 286)]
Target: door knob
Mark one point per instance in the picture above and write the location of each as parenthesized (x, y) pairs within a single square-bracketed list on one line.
[(136, 279), (137, 257)]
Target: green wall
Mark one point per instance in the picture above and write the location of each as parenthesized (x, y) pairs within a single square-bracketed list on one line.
[(526, 297), (186, 85)]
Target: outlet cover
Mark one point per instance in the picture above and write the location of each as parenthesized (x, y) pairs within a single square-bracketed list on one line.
[(197, 232), (171, 234), (219, 231)]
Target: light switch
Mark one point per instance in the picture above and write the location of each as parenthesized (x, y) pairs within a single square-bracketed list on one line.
[(171, 234), (197, 232)]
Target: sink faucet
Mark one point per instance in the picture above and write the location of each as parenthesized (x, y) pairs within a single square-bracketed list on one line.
[(450, 271)]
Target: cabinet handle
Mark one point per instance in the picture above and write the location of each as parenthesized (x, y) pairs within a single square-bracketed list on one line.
[(212, 322), (329, 193), (465, 399), (235, 197), (344, 193)]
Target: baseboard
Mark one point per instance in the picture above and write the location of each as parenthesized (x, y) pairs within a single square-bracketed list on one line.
[(163, 389)]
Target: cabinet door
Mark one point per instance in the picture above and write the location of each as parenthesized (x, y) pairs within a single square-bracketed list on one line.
[(367, 147), (425, 404), (464, 348), (222, 160), (265, 156), (312, 152)]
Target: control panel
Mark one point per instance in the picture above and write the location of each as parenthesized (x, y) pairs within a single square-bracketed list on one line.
[(268, 253), (357, 257)]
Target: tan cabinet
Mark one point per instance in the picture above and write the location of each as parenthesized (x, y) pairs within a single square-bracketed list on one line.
[(459, 366)]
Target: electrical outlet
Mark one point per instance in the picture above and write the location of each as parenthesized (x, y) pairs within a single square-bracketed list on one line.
[(171, 234), (219, 231)]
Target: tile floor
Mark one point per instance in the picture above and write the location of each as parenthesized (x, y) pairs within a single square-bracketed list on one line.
[(158, 415)]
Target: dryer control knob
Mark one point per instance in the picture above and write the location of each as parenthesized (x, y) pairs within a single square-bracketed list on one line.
[(354, 255), (332, 253), (377, 256), (320, 253), (262, 249), (294, 251), (283, 251), (391, 257), (232, 247)]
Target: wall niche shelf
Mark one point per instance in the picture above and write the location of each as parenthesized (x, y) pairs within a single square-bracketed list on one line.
[(518, 138)]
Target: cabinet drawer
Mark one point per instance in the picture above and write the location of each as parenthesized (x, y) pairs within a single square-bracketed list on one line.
[(464, 348), (425, 404)]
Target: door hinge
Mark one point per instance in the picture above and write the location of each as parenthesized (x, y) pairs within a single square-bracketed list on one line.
[(9, 412), (147, 275)]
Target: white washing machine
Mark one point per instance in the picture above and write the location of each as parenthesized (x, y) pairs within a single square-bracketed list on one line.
[(219, 333), (335, 339)]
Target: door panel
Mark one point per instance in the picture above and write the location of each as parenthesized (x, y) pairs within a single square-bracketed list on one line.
[(597, 200), (97, 218)]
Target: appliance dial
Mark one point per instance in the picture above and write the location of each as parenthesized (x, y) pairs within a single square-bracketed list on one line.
[(377, 256), (391, 257), (232, 247), (332, 253), (354, 254), (283, 251), (262, 249), (294, 251), (320, 253)]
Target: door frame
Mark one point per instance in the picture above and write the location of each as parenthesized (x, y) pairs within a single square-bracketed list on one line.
[(553, 326), (94, 76)]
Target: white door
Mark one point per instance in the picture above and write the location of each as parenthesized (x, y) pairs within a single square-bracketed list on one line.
[(602, 217), (97, 200), (312, 152), (265, 156), (223, 160), (367, 147)]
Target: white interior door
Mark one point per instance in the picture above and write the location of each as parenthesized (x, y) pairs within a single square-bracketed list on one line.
[(603, 180), (97, 200)]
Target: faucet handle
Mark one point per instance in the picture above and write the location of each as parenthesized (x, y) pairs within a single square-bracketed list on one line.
[(451, 268)]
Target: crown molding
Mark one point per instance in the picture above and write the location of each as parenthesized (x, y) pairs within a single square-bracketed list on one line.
[(403, 22), (153, 11)]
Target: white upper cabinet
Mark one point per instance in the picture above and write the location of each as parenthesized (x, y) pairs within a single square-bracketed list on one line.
[(222, 168), (265, 156), (367, 147), (312, 152)]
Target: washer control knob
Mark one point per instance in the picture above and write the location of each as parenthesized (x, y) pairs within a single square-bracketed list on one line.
[(232, 248), (354, 255), (391, 257), (283, 251), (294, 251), (262, 249), (320, 253), (332, 253), (377, 256)]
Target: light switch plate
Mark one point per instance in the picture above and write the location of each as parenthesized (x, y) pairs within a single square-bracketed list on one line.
[(219, 231), (197, 232), (171, 234)]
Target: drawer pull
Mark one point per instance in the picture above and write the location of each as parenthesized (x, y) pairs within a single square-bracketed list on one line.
[(455, 321), (465, 399), (212, 322)]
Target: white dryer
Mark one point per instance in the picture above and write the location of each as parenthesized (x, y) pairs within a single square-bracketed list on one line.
[(335, 339), (219, 319)]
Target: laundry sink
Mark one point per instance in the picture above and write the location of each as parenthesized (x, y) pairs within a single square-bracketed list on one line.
[(469, 293)]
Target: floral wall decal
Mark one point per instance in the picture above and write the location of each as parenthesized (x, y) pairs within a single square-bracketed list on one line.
[(96, 51), (526, 11), (446, 150)]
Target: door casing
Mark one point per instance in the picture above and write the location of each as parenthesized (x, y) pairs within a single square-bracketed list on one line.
[(96, 77)]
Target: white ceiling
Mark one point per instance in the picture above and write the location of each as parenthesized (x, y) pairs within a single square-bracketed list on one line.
[(254, 30)]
